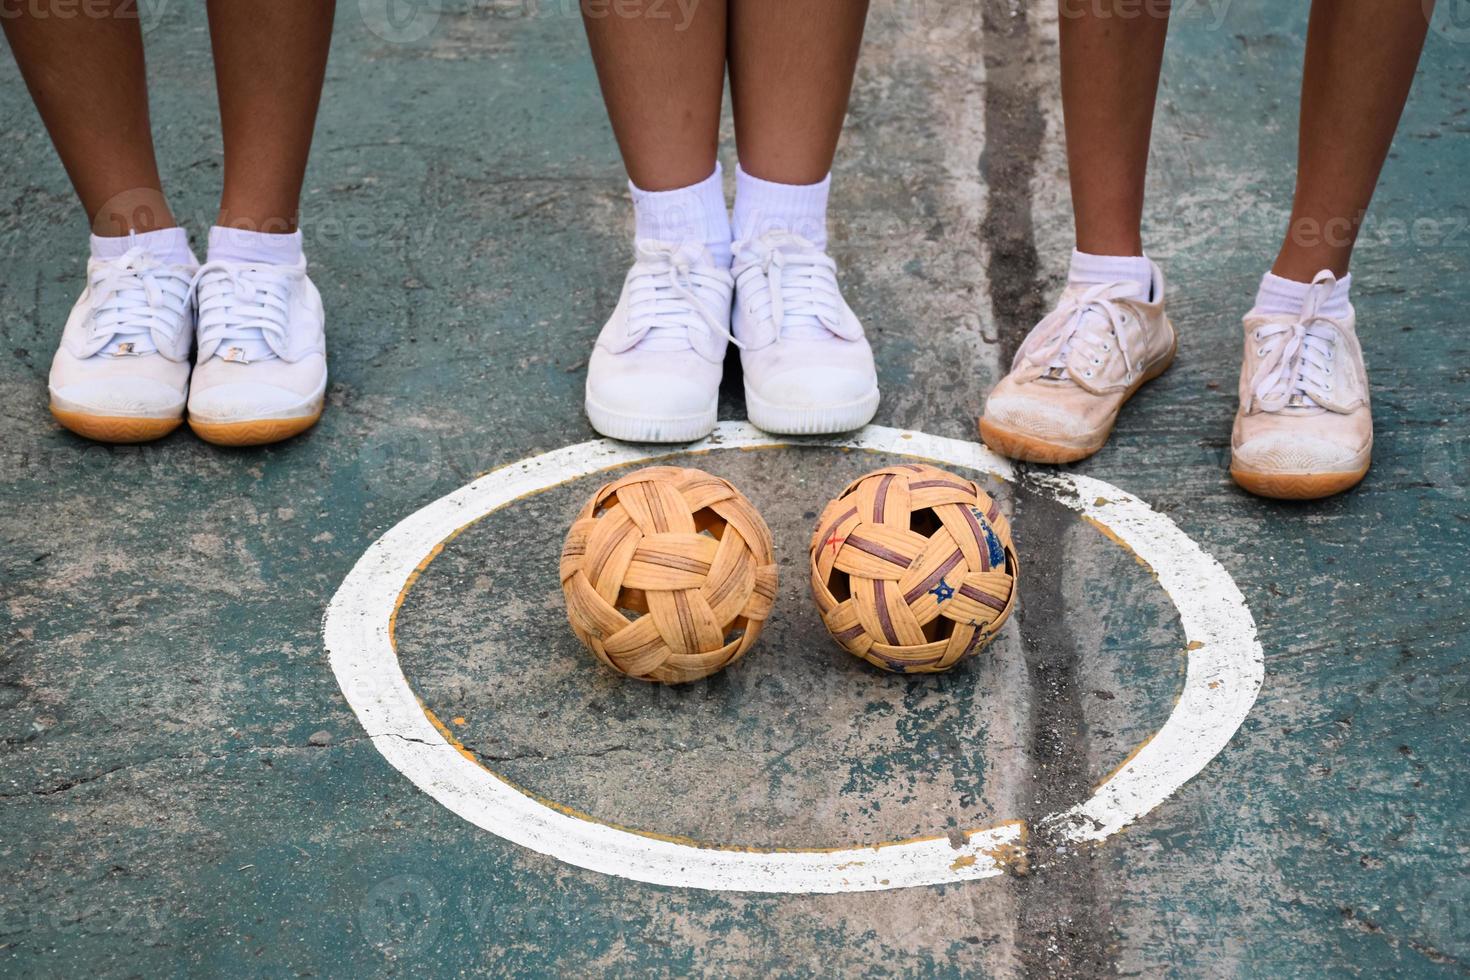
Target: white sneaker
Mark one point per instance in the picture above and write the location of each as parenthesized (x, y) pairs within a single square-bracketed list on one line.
[(1077, 368), (655, 373), (1304, 428), (808, 366), (261, 374), (121, 373)]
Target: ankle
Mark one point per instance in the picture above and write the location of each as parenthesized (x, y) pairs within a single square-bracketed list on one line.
[(265, 220), (262, 248), (167, 245), (1087, 268), (136, 211), (763, 206), (695, 213), (1284, 296)]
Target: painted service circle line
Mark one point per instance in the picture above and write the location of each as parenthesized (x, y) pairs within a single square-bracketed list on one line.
[(1225, 668)]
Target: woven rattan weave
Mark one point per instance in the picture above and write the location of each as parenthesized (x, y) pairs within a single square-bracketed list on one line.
[(687, 556), (912, 569)]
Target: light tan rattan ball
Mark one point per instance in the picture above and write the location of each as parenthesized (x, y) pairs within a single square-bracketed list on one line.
[(687, 556), (912, 569)]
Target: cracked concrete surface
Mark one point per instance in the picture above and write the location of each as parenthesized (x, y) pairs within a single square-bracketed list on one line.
[(165, 811)]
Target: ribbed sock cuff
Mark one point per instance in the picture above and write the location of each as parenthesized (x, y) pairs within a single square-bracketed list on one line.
[(695, 213), (763, 206), (1094, 270), (1278, 296), (168, 245), (263, 248)]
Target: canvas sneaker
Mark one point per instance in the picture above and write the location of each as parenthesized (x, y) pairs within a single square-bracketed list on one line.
[(121, 372), (808, 366), (1075, 370), (1304, 428), (261, 371), (654, 375)]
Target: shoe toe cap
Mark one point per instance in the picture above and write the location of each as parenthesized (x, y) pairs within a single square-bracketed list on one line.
[(674, 385), (131, 397), (1036, 416), (246, 400), (1297, 452), (808, 387)]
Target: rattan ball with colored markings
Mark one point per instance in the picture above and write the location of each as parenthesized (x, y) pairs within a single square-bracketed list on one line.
[(912, 569), (668, 574)]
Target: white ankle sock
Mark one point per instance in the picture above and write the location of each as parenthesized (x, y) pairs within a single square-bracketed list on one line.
[(169, 245), (257, 247), (1094, 270), (695, 213), (762, 206), (1285, 296)]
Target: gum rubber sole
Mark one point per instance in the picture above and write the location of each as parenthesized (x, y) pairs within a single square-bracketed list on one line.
[(115, 428), (1030, 449), (1297, 486), (257, 432), (1033, 449)]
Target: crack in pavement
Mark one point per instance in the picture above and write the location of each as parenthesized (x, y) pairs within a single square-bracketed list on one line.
[(1060, 929)]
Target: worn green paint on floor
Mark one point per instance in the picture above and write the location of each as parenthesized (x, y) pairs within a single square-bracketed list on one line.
[(165, 807)]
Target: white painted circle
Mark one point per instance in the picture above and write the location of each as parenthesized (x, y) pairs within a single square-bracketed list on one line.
[(1223, 676)]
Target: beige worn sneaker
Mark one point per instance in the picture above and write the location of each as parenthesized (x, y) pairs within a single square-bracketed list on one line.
[(1304, 428), (1076, 369)]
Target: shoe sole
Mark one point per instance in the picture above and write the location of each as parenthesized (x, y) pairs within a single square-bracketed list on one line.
[(823, 420), (1297, 486), (253, 432), (646, 428), (1014, 444), (115, 428)]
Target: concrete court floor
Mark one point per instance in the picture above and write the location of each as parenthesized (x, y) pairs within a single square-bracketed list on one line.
[(185, 791)]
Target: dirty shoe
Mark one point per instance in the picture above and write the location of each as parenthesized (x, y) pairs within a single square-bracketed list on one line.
[(121, 373), (808, 366), (1304, 428), (1076, 369), (655, 372)]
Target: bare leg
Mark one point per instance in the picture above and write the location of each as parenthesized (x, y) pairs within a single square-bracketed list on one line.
[(791, 68), (87, 78), (270, 57), (1360, 62), (1111, 53), (662, 70)]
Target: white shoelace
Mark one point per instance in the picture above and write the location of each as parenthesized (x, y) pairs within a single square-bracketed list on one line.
[(1089, 322), (669, 296), (792, 287), (133, 297), (246, 308), (1297, 358)]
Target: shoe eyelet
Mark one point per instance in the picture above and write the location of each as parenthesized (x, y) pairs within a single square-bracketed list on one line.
[(1087, 374), (1107, 348), (1260, 352)]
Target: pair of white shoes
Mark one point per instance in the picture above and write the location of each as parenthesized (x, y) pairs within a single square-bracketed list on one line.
[(654, 375), (123, 372)]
